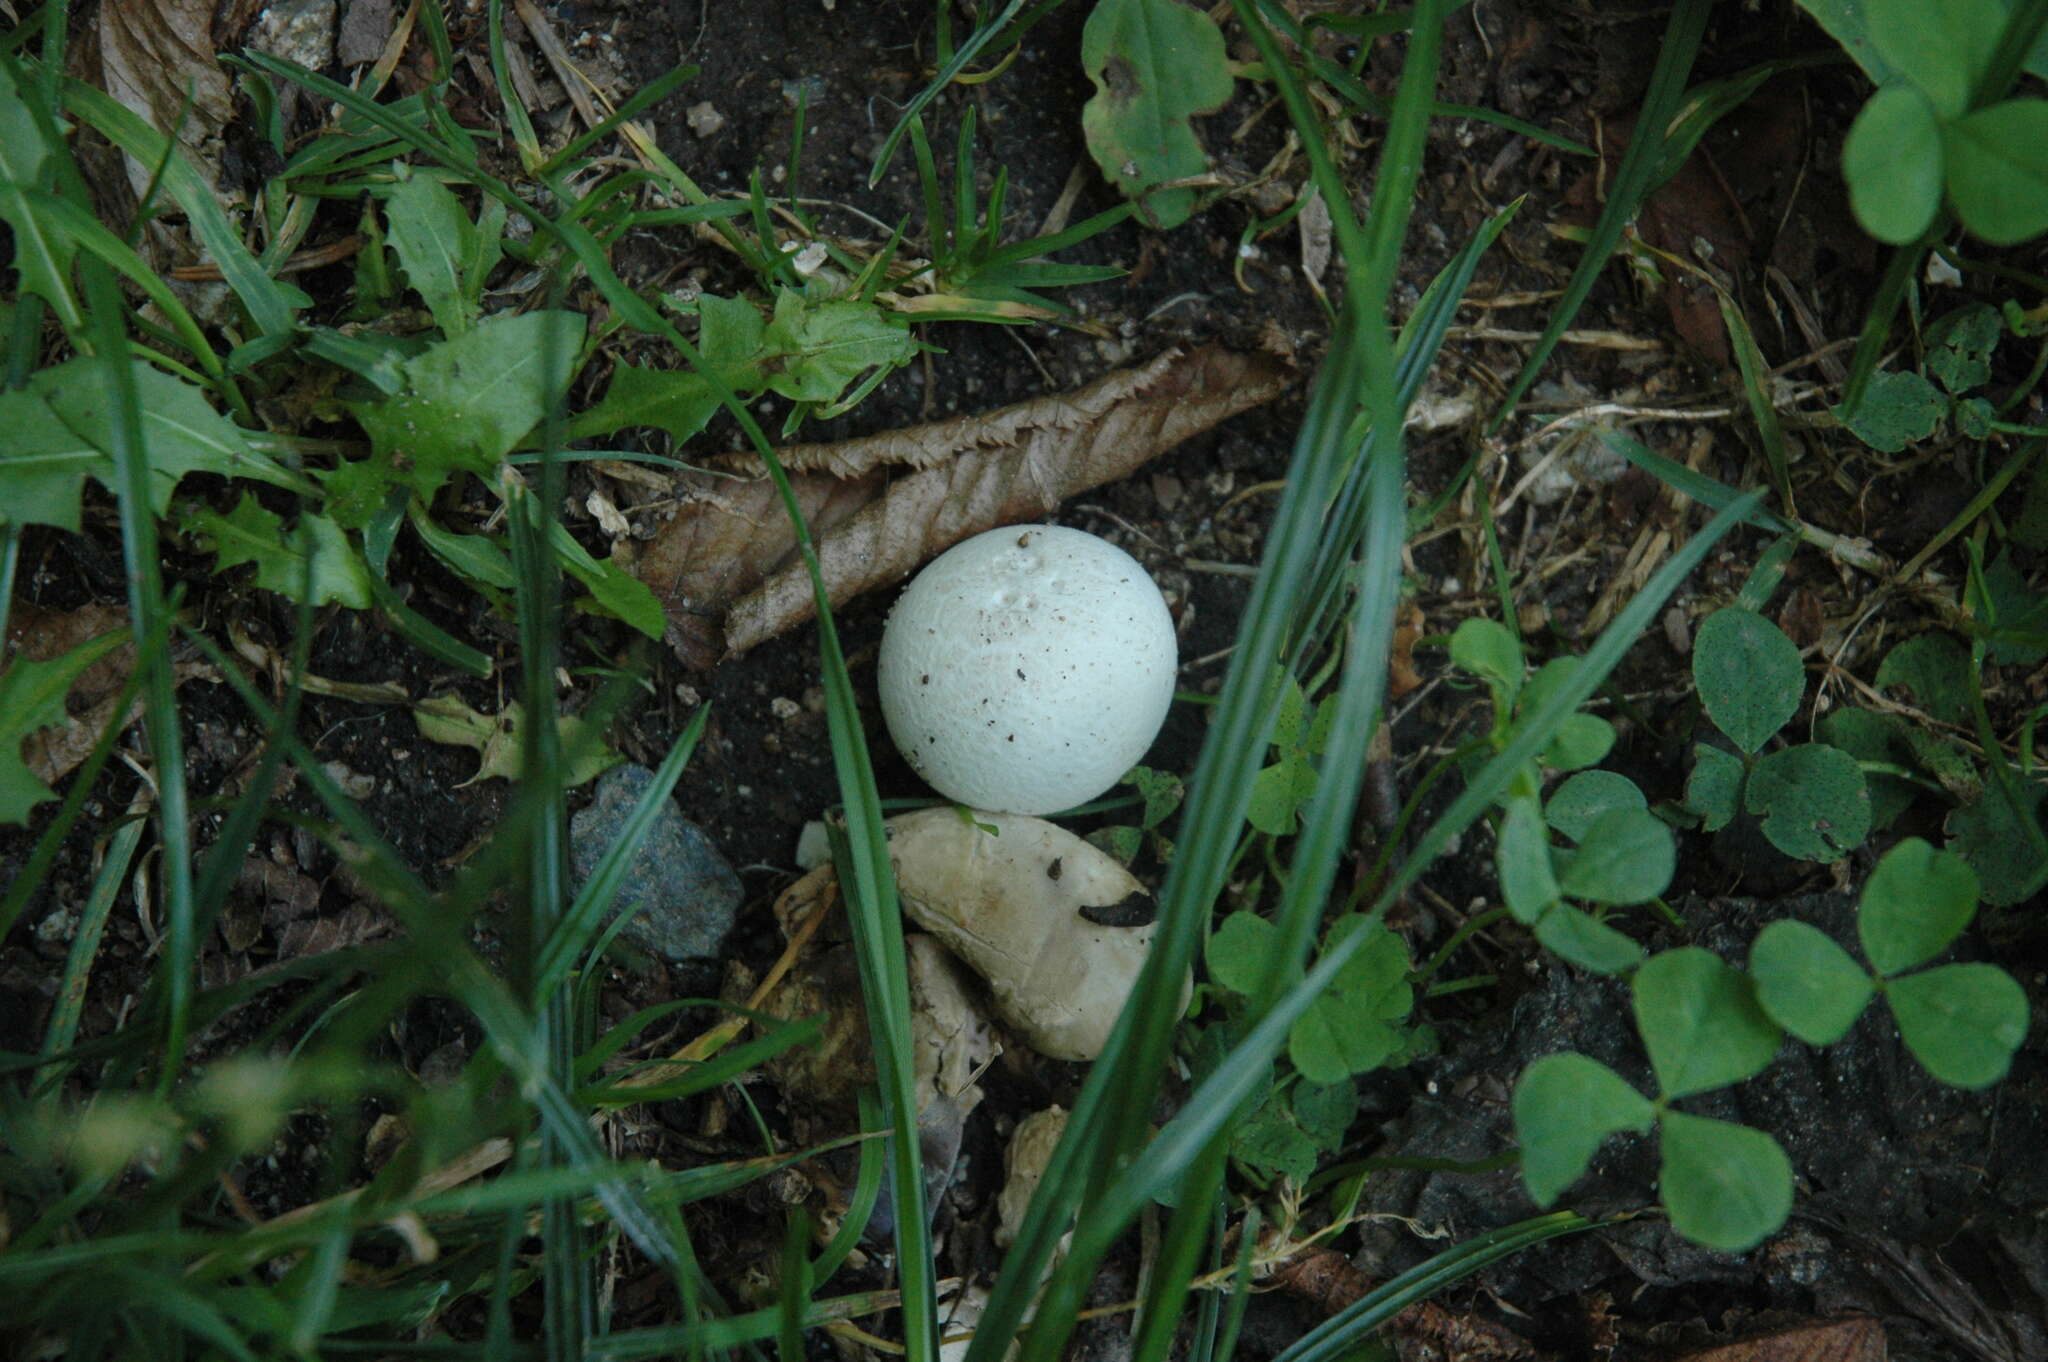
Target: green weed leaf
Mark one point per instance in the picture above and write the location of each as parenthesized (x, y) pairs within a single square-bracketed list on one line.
[(1714, 788), (1375, 979), (1486, 649), (1896, 410), (1279, 792), (1270, 1141), (1120, 840), (1565, 1107), (1577, 804), (1848, 25), (1700, 1021), (251, 534), (613, 590), (43, 463), (1528, 882), (678, 401), (1995, 840), (477, 558), (1934, 671), (1162, 792), (1973, 417), (1916, 902), (1154, 63), (1240, 951), (1331, 1041), (1942, 46), (1959, 346), (1627, 856), (2017, 614), (1813, 800), (1290, 714), (1806, 983), (1326, 1111), (819, 348), (1725, 1185), (1574, 935), (1998, 169), (1871, 737), (1892, 162), (730, 337), (182, 432), (1749, 676), (31, 698), (42, 253), (1581, 741), (430, 236), (1962, 1022), (470, 400)]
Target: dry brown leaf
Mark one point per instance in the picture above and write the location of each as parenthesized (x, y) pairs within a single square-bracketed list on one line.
[(726, 567), (1861, 1339), (151, 54), (1402, 678), (318, 935), (37, 635)]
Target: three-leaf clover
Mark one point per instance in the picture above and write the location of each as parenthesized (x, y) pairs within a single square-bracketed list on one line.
[(1724, 1185), (1961, 1021)]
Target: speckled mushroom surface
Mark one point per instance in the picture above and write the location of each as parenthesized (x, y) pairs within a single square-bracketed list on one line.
[(1026, 669)]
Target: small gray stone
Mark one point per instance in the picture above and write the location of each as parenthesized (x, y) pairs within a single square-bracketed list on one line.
[(683, 892)]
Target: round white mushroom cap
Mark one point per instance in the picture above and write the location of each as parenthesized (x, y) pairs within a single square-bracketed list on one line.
[(1027, 669)]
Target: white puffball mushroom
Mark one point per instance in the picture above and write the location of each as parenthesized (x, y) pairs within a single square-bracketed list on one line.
[(1027, 669)]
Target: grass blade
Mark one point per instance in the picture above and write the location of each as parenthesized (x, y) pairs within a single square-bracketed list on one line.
[(565, 943), (1339, 1335)]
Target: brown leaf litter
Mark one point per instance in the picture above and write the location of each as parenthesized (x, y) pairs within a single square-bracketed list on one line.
[(726, 567)]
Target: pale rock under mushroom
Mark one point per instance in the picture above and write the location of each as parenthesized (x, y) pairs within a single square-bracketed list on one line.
[(1055, 926)]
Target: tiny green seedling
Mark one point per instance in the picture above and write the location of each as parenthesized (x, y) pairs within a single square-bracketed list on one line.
[(1905, 760), (1811, 798), (1621, 853), (1159, 793), (1283, 789), (1359, 1024), (1155, 63), (1898, 409)]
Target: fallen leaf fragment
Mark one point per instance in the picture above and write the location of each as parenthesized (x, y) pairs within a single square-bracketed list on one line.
[(58, 694), (1024, 1163), (1861, 1339), (496, 737), (726, 568)]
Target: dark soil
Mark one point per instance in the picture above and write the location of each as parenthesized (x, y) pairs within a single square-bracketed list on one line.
[(1934, 1225)]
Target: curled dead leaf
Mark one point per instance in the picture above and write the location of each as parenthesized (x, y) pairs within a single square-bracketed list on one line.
[(158, 57), (726, 568)]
